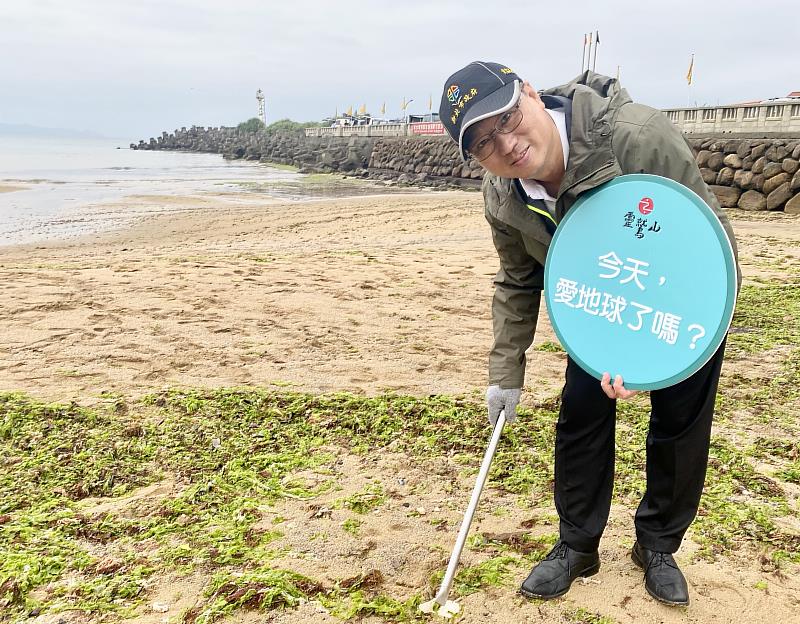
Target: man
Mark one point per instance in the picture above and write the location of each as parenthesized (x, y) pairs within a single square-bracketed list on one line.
[(541, 152)]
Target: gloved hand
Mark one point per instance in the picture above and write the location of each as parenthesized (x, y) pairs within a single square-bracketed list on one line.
[(498, 398)]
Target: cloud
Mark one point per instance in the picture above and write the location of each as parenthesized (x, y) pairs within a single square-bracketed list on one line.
[(136, 68)]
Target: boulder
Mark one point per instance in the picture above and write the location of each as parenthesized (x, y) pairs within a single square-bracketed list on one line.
[(743, 179), (727, 196), (777, 198), (733, 161), (790, 165), (775, 181), (715, 161), (752, 200), (758, 150), (793, 205), (725, 176), (758, 181), (731, 146), (772, 169), (709, 176), (702, 158), (758, 165), (744, 149), (776, 153), (795, 183), (796, 153), (747, 162)]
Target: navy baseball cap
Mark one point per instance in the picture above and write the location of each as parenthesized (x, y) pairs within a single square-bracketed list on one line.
[(481, 89)]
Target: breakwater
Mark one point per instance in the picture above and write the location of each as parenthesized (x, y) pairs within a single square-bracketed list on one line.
[(752, 174)]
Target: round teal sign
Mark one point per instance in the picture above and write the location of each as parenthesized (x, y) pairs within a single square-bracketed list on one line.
[(640, 281)]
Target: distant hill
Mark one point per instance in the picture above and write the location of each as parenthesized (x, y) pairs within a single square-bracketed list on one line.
[(23, 130)]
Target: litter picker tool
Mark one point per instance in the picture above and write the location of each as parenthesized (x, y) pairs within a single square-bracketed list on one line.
[(440, 604)]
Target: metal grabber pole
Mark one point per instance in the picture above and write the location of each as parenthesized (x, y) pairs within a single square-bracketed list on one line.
[(448, 608)]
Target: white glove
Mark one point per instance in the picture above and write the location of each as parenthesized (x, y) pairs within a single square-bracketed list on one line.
[(498, 398)]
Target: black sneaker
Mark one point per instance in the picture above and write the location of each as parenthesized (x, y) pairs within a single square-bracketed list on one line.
[(553, 577), (664, 580)]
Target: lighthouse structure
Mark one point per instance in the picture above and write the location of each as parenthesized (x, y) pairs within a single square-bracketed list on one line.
[(262, 112)]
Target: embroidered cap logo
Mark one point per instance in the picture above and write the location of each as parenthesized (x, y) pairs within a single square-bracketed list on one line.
[(452, 93)]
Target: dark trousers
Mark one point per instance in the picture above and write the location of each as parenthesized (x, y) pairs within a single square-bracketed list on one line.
[(677, 456)]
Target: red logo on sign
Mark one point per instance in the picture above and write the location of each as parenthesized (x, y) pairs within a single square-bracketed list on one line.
[(645, 205)]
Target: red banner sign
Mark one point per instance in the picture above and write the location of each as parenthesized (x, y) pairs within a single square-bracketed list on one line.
[(432, 127)]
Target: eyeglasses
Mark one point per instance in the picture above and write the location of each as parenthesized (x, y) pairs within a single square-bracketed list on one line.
[(484, 146)]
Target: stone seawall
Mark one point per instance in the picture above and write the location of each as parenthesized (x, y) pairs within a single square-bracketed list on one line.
[(752, 174)]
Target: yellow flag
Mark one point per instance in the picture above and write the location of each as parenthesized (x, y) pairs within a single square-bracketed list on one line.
[(362, 110), (689, 73), (383, 109), (350, 111), (430, 101), (404, 104)]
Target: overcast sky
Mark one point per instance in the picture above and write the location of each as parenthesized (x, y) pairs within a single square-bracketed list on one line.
[(132, 69)]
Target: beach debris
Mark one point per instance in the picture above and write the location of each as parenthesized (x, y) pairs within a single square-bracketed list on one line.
[(108, 565), (367, 580), (317, 511)]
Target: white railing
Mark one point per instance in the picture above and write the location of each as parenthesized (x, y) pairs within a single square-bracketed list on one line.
[(379, 130), (773, 117)]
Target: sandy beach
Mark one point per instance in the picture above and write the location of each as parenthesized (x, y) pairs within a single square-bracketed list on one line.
[(372, 294), (375, 294)]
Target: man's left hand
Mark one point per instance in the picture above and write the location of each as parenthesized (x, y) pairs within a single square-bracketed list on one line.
[(617, 390)]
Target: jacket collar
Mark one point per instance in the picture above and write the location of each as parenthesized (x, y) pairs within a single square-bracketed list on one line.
[(595, 103)]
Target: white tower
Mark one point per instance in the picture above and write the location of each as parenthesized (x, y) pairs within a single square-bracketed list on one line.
[(262, 113)]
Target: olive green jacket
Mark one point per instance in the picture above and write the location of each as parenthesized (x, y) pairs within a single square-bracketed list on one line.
[(610, 135)]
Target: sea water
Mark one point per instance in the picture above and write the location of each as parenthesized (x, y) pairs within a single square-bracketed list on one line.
[(72, 187)]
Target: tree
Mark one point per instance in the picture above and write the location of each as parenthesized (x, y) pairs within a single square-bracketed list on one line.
[(254, 124), (287, 125)]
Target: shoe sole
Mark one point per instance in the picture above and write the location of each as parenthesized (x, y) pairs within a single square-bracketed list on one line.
[(671, 603), (590, 571)]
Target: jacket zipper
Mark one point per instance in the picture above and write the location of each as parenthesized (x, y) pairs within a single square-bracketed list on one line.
[(584, 178)]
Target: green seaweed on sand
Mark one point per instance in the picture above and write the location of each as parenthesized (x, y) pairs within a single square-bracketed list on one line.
[(75, 535)]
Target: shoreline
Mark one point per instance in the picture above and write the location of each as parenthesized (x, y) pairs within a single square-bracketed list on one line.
[(85, 218), (8, 188)]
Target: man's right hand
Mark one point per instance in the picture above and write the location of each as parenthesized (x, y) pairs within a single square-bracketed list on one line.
[(498, 398)]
